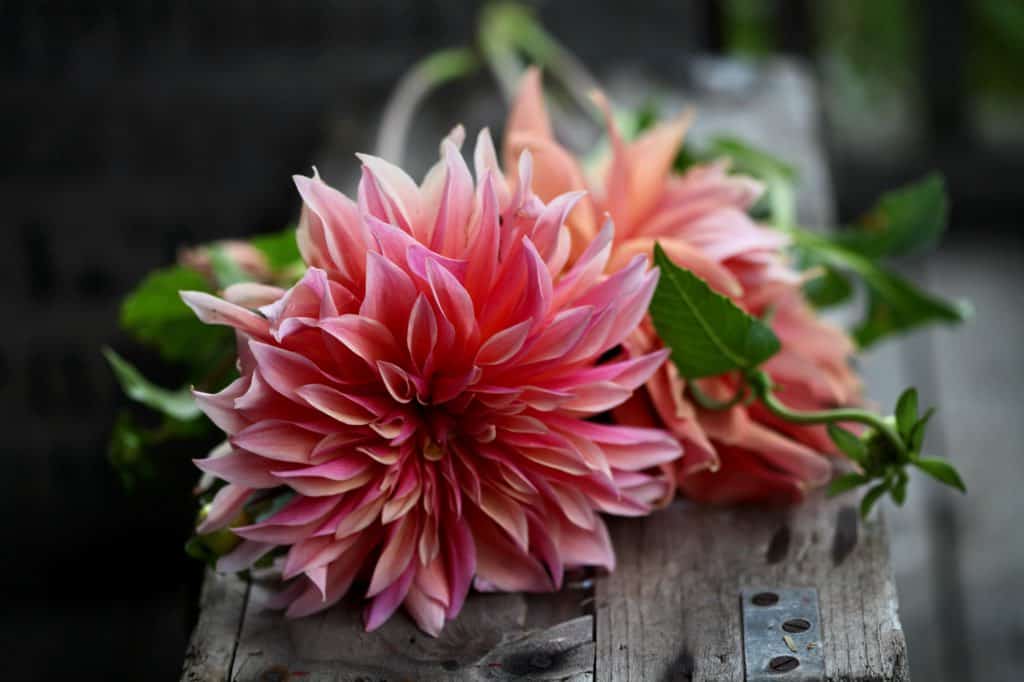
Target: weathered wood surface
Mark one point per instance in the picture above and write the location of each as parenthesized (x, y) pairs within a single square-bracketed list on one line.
[(211, 650), (671, 611)]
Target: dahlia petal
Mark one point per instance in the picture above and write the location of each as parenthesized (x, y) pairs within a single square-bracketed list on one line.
[(460, 562), (452, 299), (220, 407), (316, 486), (500, 347), (384, 604), (427, 612), (252, 294), (243, 556), (336, 404), (507, 513), (399, 189), (597, 397), (390, 293), (396, 555), (456, 204), (213, 310), (502, 565), (576, 507), (338, 469), (364, 336), (284, 370), (421, 337), (242, 468), (225, 506), (277, 439), (581, 547), (652, 156)]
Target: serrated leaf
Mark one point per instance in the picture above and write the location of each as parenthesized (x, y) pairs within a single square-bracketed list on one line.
[(155, 315), (906, 412), (178, 404), (904, 221), (846, 482), (280, 248), (941, 471), (708, 334), (849, 444), (871, 497)]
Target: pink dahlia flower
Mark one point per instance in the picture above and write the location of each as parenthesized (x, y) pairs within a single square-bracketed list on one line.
[(701, 220), (425, 391)]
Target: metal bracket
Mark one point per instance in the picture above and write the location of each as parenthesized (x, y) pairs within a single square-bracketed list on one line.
[(782, 635)]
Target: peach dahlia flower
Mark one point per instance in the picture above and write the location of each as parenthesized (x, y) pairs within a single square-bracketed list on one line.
[(701, 220), (424, 391)]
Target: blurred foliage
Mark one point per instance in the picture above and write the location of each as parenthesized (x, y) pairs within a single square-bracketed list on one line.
[(155, 316)]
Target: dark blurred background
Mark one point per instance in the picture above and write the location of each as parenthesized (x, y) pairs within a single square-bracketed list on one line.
[(133, 128)]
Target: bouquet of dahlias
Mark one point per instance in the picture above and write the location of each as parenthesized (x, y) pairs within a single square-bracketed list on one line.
[(437, 386)]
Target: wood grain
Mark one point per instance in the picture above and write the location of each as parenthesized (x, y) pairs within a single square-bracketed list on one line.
[(489, 640), (671, 610), (211, 650)]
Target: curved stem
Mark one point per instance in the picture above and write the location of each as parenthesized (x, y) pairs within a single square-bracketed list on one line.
[(709, 403), (425, 77), (844, 414), (508, 27)]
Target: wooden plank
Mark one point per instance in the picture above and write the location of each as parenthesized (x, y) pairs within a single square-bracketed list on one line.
[(211, 649), (489, 640), (671, 610), (977, 386)]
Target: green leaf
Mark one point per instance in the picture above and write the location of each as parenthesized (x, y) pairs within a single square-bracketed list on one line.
[(846, 482), (906, 412), (750, 160), (280, 248), (898, 492), (830, 288), (177, 404), (155, 315), (871, 497), (907, 220), (941, 471), (915, 440), (894, 304), (225, 269), (850, 445), (708, 334)]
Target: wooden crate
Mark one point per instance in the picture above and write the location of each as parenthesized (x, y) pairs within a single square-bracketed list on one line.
[(672, 609)]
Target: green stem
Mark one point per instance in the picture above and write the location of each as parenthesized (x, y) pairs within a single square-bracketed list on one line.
[(426, 76), (763, 386), (507, 28)]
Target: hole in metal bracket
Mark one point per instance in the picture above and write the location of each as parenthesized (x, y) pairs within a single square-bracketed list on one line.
[(765, 599), (797, 625), (783, 664)]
